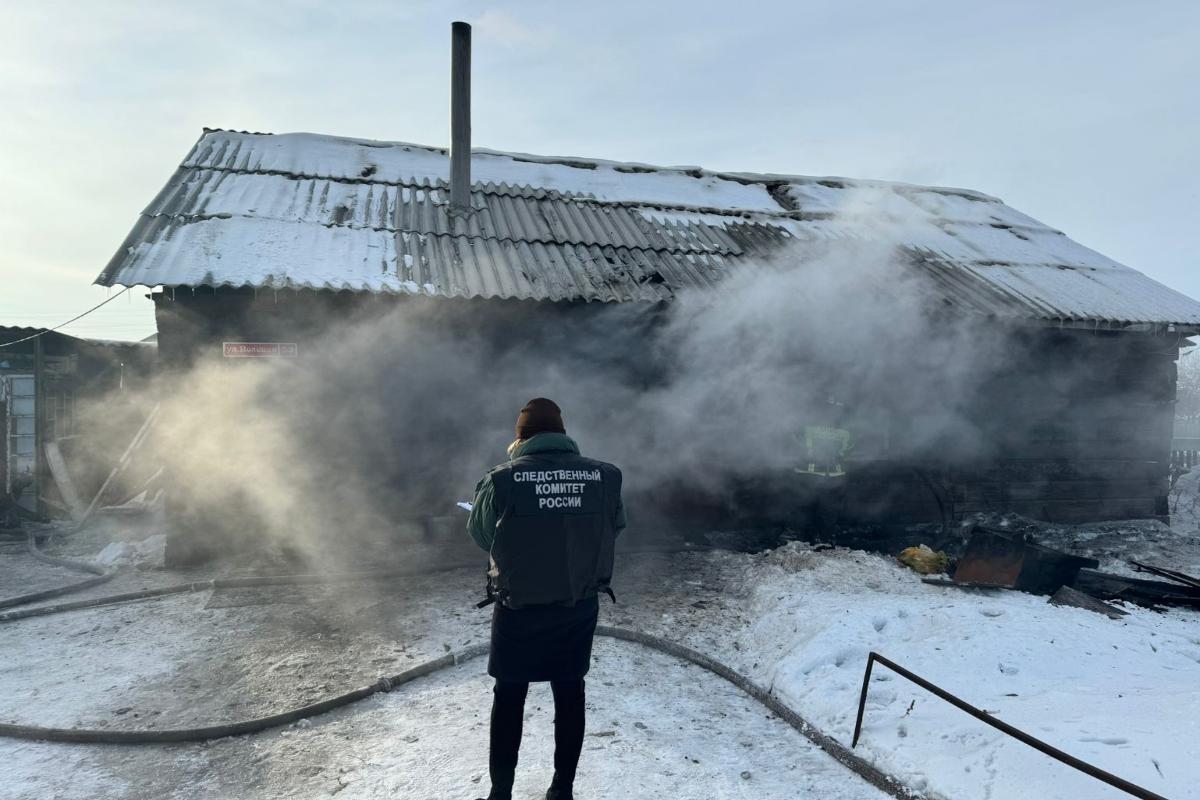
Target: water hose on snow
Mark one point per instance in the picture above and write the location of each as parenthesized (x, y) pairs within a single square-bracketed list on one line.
[(220, 583), (242, 582), (838, 751), (102, 576), (835, 749)]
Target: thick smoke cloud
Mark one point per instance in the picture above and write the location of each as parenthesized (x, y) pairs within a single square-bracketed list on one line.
[(394, 412)]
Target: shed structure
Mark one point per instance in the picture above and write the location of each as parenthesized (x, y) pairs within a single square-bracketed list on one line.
[(44, 377), (253, 230)]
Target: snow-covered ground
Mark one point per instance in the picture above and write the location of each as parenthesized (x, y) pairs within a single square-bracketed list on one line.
[(1118, 693), (699, 738), (657, 726)]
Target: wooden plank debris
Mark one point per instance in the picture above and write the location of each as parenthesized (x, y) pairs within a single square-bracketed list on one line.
[(1066, 596)]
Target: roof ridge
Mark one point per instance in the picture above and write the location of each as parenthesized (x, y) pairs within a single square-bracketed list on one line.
[(530, 191), (580, 162)]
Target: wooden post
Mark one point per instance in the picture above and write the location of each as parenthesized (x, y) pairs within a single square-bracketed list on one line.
[(39, 420), (460, 117), (121, 466)]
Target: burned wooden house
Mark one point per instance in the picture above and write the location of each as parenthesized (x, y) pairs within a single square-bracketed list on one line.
[(256, 237)]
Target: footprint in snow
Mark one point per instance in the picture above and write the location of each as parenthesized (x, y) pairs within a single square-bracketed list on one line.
[(1111, 740), (879, 623), (1008, 669), (847, 654)]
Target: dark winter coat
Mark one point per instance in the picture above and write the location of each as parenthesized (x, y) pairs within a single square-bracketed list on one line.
[(549, 519)]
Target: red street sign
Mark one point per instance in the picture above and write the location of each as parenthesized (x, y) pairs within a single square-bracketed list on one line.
[(260, 350)]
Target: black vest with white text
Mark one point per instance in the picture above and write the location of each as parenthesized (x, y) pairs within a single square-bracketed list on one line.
[(555, 529)]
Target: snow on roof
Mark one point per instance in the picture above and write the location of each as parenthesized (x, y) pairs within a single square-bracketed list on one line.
[(303, 210), (11, 333)]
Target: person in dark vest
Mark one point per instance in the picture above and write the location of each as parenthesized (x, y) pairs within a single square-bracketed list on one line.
[(549, 519)]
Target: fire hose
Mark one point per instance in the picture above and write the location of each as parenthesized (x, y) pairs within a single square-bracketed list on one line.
[(860, 766), (219, 583), (835, 749), (241, 582), (102, 576)]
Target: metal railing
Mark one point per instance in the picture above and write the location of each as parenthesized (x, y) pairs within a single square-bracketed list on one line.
[(1182, 461), (1185, 458), (983, 716)]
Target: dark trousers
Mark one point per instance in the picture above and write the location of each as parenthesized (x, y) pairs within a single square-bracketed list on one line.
[(508, 713)]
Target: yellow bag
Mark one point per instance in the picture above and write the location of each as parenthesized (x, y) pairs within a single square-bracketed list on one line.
[(924, 560)]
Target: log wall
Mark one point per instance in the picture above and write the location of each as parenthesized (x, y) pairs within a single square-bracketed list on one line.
[(1077, 429), (1075, 426)]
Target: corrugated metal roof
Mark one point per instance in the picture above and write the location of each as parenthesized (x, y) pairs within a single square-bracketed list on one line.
[(322, 212), (11, 333), (503, 212)]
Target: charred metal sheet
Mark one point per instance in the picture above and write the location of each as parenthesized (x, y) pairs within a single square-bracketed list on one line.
[(1006, 561), (991, 560), (1136, 590)]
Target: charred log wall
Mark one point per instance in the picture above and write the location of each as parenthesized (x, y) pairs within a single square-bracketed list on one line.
[(1075, 426), (405, 396), (1075, 429)]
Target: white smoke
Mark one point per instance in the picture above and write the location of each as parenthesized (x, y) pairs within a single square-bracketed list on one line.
[(395, 412)]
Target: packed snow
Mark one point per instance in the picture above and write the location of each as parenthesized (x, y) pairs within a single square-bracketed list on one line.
[(798, 619), (429, 740), (1117, 694)]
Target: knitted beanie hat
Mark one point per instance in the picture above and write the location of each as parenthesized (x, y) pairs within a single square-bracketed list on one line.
[(539, 416)]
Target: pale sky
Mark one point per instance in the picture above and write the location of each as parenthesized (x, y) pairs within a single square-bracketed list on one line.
[(1085, 115)]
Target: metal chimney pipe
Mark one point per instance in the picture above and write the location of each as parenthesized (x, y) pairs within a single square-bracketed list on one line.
[(460, 117)]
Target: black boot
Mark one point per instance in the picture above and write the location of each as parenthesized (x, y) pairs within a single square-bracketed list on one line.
[(496, 794), (559, 790)]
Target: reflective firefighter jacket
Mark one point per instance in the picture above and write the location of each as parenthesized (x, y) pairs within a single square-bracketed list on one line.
[(825, 450), (556, 516)]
